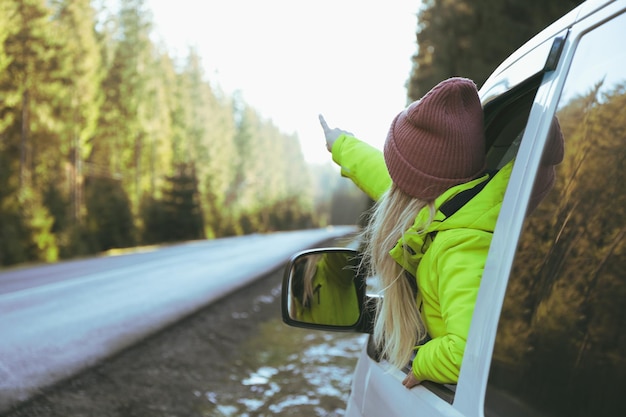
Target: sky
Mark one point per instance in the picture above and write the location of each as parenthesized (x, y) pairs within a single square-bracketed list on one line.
[(292, 60)]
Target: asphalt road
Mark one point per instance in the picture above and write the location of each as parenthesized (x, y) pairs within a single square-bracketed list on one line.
[(62, 318)]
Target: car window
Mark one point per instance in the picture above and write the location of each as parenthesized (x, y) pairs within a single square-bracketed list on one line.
[(561, 337), (505, 121)]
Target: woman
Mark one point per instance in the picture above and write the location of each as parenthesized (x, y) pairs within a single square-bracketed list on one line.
[(433, 156)]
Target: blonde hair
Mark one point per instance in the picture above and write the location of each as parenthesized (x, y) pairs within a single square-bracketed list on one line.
[(398, 323), (305, 269)]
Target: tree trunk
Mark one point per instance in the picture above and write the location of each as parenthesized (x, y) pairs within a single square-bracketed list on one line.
[(24, 154)]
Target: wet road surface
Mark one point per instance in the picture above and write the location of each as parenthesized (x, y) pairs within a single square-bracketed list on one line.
[(233, 358)]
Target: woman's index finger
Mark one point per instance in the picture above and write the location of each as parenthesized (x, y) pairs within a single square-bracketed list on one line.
[(323, 123)]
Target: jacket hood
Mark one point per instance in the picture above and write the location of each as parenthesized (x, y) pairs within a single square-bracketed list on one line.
[(479, 213)]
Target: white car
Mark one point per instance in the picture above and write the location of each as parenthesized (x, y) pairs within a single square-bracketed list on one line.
[(548, 334)]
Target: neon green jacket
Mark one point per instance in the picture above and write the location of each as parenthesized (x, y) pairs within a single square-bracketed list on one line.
[(449, 269)]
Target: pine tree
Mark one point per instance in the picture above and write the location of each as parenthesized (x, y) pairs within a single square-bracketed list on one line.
[(80, 99), (211, 132), (30, 83), (183, 214), (9, 97), (243, 189), (119, 144), (471, 37), (31, 75), (158, 156)]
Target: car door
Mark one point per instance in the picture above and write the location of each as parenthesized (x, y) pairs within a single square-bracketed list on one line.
[(551, 308), (560, 348)]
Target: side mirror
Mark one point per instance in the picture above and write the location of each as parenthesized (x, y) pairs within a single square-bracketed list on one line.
[(324, 289)]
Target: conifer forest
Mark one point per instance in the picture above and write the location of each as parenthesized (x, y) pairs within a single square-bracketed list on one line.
[(108, 141)]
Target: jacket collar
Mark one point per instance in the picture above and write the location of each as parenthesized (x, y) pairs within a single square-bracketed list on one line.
[(480, 212)]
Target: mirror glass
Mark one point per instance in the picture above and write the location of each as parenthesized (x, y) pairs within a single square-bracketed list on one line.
[(324, 288)]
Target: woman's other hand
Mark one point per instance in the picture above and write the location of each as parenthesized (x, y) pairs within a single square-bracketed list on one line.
[(331, 135), (410, 381)]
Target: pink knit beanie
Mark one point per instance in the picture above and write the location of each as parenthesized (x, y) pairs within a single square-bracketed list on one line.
[(437, 142)]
